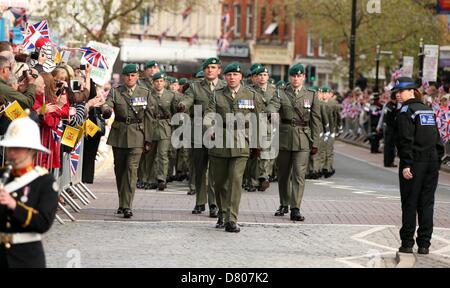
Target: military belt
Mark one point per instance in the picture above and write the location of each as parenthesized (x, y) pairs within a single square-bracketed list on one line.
[(294, 122), (128, 120), (8, 239)]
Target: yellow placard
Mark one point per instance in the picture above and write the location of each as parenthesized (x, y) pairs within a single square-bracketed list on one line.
[(81, 131), (70, 136), (15, 111), (91, 128)]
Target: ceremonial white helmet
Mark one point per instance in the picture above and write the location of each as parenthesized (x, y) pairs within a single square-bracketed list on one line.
[(23, 133)]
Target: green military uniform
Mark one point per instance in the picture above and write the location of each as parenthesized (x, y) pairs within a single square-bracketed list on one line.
[(228, 164), (127, 136), (299, 113), (317, 161), (161, 107), (334, 116), (265, 166), (199, 94), (25, 100)]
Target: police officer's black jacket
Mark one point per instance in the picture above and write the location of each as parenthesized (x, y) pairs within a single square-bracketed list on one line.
[(390, 114), (36, 211), (418, 136)]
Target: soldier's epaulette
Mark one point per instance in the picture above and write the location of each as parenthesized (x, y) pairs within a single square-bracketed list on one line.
[(311, 90), (220, 89), (41, 170), (143, 87)]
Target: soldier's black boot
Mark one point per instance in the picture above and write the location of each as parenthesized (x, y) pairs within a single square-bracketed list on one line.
[(220, 224), (282, 210), (198, 209), (423, 250), (213, 211), (127, 213), (161, 185), (140, 184), (232, 227), (296, 216), (264, 184)]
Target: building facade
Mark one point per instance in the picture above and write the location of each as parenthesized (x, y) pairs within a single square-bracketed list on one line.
[(179, 40), (271, 37)]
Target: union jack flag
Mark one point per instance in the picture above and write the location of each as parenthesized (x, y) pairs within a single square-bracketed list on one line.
[(95, 58), (20, 15), (34, 32), (57, 134), (74, 157)]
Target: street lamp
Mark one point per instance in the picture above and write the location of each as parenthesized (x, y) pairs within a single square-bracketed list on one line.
[(352, 47), (377, 70), (421, 58)]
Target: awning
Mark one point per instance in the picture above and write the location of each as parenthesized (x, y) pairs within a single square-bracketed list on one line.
[(271, 29), (133, 50)]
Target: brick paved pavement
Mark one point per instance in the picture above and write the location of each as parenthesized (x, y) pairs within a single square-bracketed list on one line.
[(359, 196)]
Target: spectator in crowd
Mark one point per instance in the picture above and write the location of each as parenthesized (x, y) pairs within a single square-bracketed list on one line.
[(361, 82)]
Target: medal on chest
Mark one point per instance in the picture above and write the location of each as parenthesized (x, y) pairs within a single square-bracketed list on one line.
[(24, 198), (246, 104), (139, 102), (306, 104)]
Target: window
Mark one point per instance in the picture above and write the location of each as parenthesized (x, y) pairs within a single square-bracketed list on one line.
[(321, 50), (226, 18), (145, 17), (249, 26), (263, 19), (237, 20), (275, 19), (310, 51)]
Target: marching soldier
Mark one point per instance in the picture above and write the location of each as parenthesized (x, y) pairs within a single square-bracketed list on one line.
[(151, 68), (228, 164), (299, 114), (333, 113), (199, 94), (29, 200), (267, 92), (161, 107), (129, 102)]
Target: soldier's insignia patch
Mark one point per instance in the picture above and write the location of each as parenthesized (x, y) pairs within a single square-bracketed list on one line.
[(55, 187), (404, 109)]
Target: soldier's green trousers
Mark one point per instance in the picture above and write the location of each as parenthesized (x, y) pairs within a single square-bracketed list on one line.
[(204, 178), (228, 185), (158, 160), (126, 161), (146, 171), (291, 177), (329, 159)]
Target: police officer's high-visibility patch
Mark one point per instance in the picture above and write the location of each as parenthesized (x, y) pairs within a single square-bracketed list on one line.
[(427, 119)]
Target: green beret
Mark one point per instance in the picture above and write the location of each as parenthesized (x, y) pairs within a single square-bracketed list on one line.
[(183, 81), (172, 80), (200, 74), (325, 89), (209, 61), (233, 67), (281, 83), (260, 69), (151, 63), (314, 88), (296, 69), (130, 68), (271, 81), (159, 75), (255, 66)]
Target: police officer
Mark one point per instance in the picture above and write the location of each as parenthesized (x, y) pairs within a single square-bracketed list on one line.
[(420, 150), (299, 116), (228, 164), (29, 200), (199, 94), (129, 102)]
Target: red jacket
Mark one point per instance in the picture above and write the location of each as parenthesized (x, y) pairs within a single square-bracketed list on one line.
[(50, 122)]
